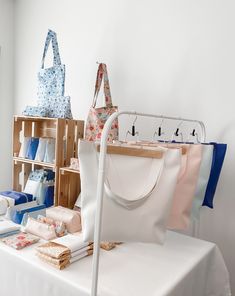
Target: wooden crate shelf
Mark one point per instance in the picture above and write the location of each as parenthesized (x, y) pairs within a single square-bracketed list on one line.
[(69, 187), (66, 134)]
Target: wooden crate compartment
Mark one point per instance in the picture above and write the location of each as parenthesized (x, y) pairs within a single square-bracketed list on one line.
[(69, 187), (66, 133)]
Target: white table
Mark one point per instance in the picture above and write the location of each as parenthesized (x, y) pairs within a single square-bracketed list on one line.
[(184, 266)]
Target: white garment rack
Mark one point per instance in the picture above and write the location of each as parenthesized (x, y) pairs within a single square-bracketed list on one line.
[(100, 185)]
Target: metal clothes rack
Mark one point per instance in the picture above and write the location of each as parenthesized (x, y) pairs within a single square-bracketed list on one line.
[(100, 185)]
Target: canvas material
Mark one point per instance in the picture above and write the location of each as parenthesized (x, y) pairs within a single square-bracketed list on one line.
[(98, 116), (185, 189), (24, 147), (129, 177), (203, 178), (32, 148), (219, 153), (50, 151), (41, 149)]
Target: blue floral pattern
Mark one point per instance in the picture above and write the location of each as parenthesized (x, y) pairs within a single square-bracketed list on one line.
[(51, 83), (51, 80)]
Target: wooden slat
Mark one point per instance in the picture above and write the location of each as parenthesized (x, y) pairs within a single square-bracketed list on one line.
[(17, 127), (74, 190), (27, 128), (184, 148), (42, 164), (69, 170), (63, 190), (79, 134), (70, 145), (129, 151), (17, 168), (60, 132)]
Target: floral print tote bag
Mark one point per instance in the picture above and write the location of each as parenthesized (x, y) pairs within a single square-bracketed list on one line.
[(51, 80), (98, 116)]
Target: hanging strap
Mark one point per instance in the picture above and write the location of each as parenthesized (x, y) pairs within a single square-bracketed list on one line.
[(155, 172), (102, 74), (51, 37)]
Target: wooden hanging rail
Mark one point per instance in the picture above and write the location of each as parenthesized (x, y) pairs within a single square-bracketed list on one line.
[(131, 151)]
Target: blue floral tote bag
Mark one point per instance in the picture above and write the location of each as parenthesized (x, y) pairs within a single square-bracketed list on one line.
[(51, 80)]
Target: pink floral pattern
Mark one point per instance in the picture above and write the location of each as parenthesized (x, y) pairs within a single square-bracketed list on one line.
[(21, 240), (98, 116)]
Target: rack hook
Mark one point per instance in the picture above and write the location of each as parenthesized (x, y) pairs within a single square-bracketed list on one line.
[(133, 132), (195, 134), (159, 131), (177, 132)]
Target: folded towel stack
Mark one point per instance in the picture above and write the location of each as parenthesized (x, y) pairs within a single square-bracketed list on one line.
[(65, 250), (8, 228)]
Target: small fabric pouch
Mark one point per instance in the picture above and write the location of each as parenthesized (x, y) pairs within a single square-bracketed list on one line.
[(35, 111), (40, 229), (19, 214), (32, 149), (24, 147), (18, 197), (50, 151), (41, 149), (72, 219), (33, 214), (60, 227)]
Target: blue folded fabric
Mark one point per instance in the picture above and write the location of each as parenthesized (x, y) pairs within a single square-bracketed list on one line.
[(217, 164), (19, 197), (49, 196), (19, 214), (32, 149), (9, 233)]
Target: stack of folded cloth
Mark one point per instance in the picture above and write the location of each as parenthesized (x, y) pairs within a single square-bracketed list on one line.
[(63, 251), (8, 228)]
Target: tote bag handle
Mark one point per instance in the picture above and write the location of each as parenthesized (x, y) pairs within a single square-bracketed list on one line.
[(51, 37), (102, 74), (150, 185)]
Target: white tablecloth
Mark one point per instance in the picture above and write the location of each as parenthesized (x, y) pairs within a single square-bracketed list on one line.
[(184, 266)]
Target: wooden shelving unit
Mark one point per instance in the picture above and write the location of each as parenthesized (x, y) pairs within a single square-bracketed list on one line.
[(66, 133)]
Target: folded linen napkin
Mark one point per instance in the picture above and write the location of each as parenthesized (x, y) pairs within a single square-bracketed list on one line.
[(9, 233), (72, 242), (63, 261), (54, 250), (8, 226), (81, 251), (60, 264), (82, 255)]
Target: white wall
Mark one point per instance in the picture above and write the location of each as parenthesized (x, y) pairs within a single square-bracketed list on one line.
[(166, 57), (6, 91)]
